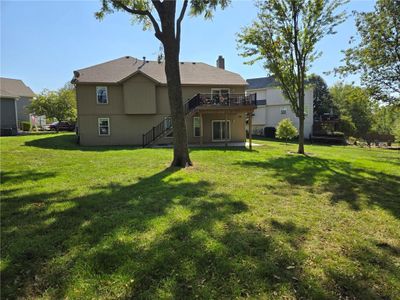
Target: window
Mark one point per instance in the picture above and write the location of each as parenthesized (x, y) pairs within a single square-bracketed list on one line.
[(220, 131), (104, 126), (283, 111), (101, 95), (196, 127), (168, 126)]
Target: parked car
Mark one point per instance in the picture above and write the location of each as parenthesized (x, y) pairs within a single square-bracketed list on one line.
[(62, 126)]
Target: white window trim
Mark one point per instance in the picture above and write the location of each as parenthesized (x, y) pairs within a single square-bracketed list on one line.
[(194, 128), (98, 126), (285, 109), (212, 130), (97, 99)]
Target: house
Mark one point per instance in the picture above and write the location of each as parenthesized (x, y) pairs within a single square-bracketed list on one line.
[(15, 97), (272, 106), (125, 102)]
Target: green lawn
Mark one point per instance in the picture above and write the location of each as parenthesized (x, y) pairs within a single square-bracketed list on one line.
[(106, 223)]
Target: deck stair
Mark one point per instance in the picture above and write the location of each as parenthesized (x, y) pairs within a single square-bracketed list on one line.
[(190, 107)]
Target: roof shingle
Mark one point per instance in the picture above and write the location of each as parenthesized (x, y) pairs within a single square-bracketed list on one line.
[(14, 88), (261, 82), (192, 73)]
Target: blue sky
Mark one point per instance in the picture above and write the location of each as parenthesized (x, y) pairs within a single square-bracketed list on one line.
[(42, 42)]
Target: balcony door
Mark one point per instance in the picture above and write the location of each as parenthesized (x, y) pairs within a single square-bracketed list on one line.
[(219, 130), (220, 93)]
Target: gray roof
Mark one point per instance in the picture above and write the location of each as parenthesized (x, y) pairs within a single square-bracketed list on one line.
[(261, 82), (14, 88), (192, 73)]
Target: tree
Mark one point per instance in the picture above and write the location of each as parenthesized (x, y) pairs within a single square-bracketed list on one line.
[(385, 119), (286, 130), (355, 104), (377, 55), (347, 126), (396, 130), (60, 104), (284, 36), (322, 103), (168, 32)]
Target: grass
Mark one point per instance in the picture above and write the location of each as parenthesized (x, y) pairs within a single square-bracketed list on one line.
[(108, 223)]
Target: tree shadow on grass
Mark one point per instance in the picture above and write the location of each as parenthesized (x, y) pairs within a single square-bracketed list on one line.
[(373, 274), (355, 186), (22, 176), (162, 237), (69, 142)]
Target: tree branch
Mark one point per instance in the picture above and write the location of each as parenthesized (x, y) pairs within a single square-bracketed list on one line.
[(140, 12), (179, 20)]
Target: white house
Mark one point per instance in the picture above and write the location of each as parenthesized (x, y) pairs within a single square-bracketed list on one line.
[(272, 106)]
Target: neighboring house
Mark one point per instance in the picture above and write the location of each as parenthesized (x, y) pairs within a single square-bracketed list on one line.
[(272, 106), (125, 102), (15, 97)]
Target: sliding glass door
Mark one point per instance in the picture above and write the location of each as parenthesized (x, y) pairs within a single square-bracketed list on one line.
[(220, 131)]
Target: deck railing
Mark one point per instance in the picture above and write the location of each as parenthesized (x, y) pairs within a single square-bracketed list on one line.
[(165, 126), (227, 99), (157, 131)]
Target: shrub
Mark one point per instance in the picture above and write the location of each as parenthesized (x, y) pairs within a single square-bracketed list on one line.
[(347, 126), (286, 130), (25, 126)]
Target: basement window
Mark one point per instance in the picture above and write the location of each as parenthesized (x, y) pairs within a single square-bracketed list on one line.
[(104, 126), (101, 95)]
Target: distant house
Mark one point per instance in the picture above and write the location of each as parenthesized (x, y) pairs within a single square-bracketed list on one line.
[(15, 96), (272, 106), (125, 102)]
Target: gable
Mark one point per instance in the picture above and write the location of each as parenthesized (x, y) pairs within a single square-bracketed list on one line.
[(139, 95)]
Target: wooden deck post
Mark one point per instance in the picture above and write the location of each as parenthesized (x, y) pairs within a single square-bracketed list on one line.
[(250, 129), (201, 128), (226, 129)]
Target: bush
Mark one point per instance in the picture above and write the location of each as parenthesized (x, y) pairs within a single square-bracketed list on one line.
[(286, 130), (347, 126), (25, 126)]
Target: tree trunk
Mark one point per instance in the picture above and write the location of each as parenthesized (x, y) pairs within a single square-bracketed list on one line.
[(301, 121), (171, 45), (301, 136)]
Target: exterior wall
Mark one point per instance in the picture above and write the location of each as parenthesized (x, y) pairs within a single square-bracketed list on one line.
[(8, 115), (139, 93), (87, 102), (237, 127), (124, 129), (22, 109), (126, 125), (269, 115)]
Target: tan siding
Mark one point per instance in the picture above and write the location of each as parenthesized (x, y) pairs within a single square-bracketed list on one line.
[(237, 120), (139, 94), (127, 129), (124, 129), (87, 102)]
